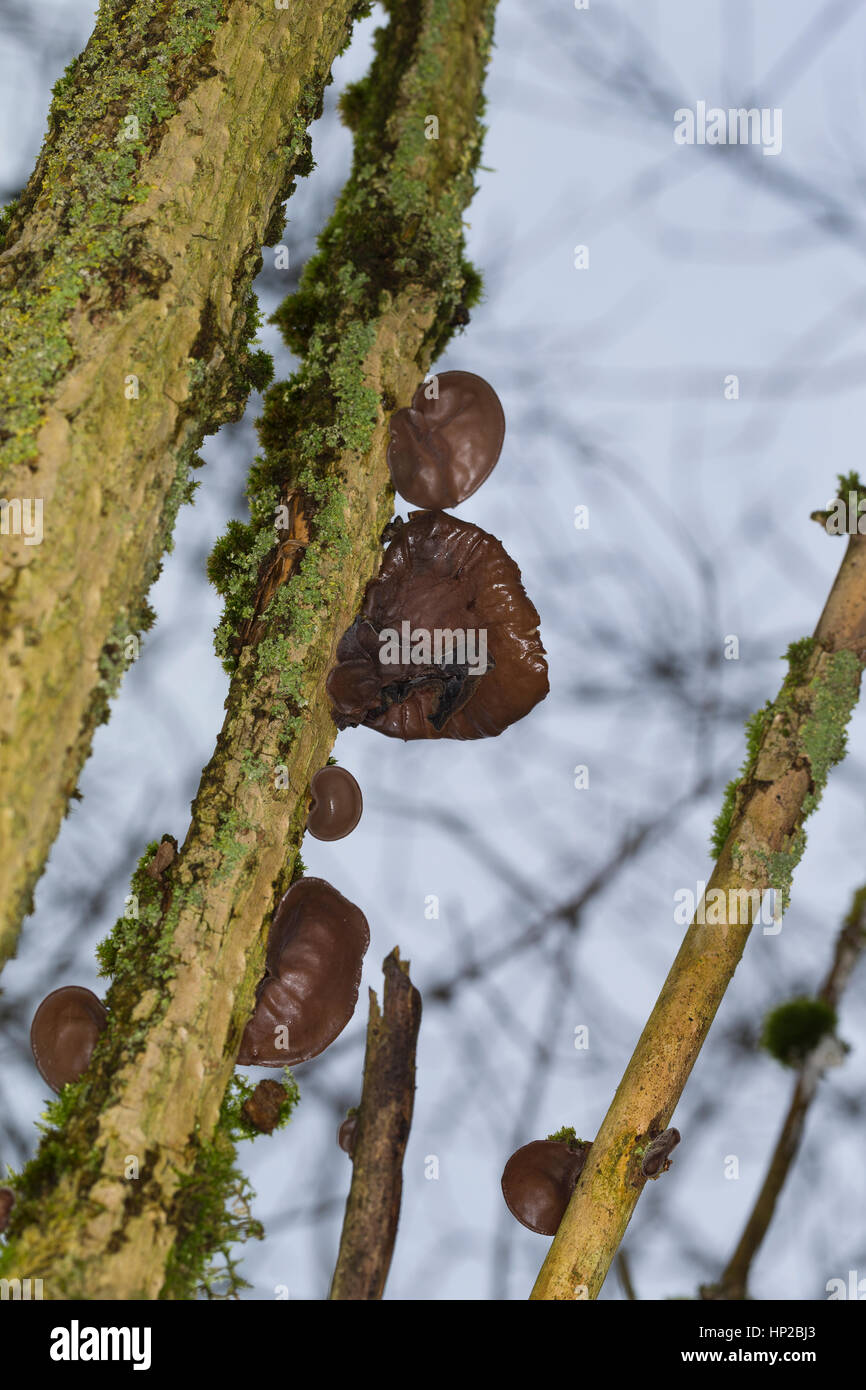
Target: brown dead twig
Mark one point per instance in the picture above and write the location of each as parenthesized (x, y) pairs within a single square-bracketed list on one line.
[(383, 1122)]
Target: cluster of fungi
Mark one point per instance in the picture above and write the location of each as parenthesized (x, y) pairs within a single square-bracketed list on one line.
[(438, 573)]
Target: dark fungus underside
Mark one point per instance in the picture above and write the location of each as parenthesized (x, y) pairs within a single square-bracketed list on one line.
[(316, 948), (441, 575)]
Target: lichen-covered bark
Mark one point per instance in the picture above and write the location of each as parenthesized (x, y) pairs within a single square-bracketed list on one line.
[(383, 1125), (795, 742), (125, 320), (382, 296)]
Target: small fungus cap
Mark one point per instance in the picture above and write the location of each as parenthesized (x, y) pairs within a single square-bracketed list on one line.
[(64, 1032), (441, 576), (347, 1134), (316, 948), (538, 1182), (336, 804), (444, 447)]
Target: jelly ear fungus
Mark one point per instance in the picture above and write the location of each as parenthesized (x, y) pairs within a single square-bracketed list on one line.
[(316, 948), (441, 575), (336, 804), (446, 443), (539, 1179), (65, 1030)]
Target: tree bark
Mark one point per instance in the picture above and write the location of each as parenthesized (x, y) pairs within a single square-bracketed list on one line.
[(384, 1121), (126, 315), (380, 299), (797, 740)]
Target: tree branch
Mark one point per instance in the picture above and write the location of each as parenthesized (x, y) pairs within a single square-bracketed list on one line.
[(793, 744), (384, 1121), (734, 1279), (126, 317), (381, 297)]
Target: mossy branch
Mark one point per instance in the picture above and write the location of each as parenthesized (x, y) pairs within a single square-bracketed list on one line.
[(802, 734), (850, 944), (384, 1119), (388, 287), (126, 328)]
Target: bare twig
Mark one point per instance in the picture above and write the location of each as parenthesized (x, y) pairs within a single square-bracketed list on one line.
[(384, 1120), (734, 1279), (623, 1264)]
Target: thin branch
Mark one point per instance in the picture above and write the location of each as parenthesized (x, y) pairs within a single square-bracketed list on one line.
[(623, 1265), (734, 1279), (384, 1121), (795, 742)]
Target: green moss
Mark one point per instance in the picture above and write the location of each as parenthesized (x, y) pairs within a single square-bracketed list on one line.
[(211, 1209), (793, 1030), (850, 482), (756, 726), (54, 1157), (566, 1135), (798, 656), (149, 934)]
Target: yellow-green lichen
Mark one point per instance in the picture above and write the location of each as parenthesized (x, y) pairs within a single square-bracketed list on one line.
[(136, 65), (819, 708)]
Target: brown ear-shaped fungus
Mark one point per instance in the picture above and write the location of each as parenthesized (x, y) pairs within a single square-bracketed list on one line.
[(64, 1032), (336, 804), (538, 1182), (450, 580), (316, 947), (347, 1134), (444, 446)]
